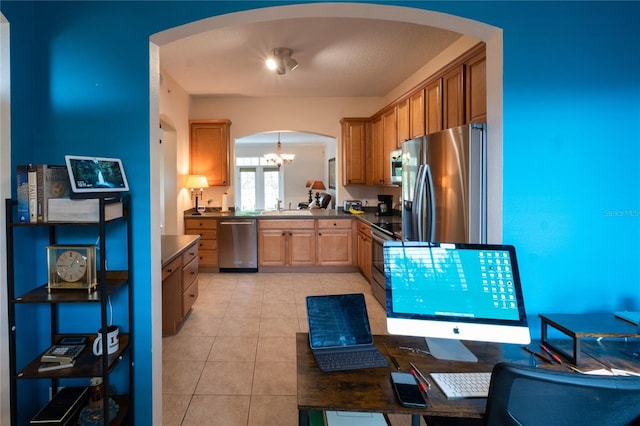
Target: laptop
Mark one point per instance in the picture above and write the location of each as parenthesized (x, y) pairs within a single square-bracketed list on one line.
[(340, 334), (632, 317)]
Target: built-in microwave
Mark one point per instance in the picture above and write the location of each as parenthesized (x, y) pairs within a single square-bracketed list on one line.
[(396, 166)]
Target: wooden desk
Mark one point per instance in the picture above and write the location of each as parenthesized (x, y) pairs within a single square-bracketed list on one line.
[(370, 390)]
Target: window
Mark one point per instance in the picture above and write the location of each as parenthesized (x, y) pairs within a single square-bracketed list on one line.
[(259, 185)]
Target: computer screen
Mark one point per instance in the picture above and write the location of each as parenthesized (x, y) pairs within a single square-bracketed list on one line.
[(454, 291)]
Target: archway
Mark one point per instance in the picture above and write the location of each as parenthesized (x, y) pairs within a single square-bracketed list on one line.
[(492, 36)]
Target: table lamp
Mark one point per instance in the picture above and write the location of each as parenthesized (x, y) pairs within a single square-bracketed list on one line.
[(197, 182), (308, 185), (318, 186)]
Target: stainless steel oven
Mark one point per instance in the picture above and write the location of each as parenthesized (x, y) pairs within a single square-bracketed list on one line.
[(378, 287)]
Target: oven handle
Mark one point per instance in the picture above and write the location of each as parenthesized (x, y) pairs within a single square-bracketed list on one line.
[(380, 237)]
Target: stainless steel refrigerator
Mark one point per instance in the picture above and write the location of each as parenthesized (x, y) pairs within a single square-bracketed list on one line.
[(444, 186)]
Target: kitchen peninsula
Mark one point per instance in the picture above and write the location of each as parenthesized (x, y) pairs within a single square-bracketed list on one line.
[(308, 240)]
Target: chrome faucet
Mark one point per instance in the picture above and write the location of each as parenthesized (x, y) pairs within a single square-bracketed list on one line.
[(278, 202)]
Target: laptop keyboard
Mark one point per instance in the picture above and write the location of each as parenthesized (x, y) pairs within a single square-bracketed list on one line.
[(337, 361), (463, 385)]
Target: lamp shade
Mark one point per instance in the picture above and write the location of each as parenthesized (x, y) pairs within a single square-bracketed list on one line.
[(197, 181), (309, 183), (318, 185)]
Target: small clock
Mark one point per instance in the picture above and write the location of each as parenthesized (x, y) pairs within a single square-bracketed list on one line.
[(72, 267)]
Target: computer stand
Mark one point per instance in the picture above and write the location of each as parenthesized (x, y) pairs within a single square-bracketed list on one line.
[(449, 349)]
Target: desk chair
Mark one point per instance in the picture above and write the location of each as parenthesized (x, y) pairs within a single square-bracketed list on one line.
[(520, 395)]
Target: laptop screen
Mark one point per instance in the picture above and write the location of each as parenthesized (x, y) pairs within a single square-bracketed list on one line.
[(338, 321)]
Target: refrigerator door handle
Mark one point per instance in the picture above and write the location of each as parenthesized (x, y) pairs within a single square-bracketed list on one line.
[(417, 213), (430, 199)]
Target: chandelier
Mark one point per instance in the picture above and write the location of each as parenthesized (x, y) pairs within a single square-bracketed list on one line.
[(279, 158)]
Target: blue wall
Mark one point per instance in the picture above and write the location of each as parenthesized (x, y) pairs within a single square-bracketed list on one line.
[(571, 131)]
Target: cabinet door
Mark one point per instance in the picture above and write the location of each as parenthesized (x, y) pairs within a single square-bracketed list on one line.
[(403, 121), (335, 247), (171, 297), (272, 247), (453, 97), (390, 143), (209, 150), (476, 88), (301, 247), (433, 107), (375, 169), (354, 134), (364, 253), (416, 114)]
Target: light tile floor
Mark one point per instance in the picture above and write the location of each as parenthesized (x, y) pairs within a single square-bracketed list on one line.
[(233, 360)]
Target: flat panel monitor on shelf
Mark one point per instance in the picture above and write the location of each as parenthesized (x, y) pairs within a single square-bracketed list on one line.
[(452, 292), (95, 177)]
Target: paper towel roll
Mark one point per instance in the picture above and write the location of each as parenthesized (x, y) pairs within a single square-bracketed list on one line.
[(225, 202)]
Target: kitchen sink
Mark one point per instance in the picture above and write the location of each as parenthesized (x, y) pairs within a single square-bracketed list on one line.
[(285, 213)]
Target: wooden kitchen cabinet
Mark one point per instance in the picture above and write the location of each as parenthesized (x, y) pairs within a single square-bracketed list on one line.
[(179, 288), (417, 114), (335, 242), (208, 243), (453, 98), (476, 88), (403, 114), (433, 107), (384, 139), (354, 148), (286, 243), (209, 150), (364, 249), (375, 161)]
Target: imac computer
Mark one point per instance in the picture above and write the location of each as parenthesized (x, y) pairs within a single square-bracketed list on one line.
[(451, 292)]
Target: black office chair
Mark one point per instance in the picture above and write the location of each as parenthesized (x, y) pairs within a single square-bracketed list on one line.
[(529, 396), (521, 395)]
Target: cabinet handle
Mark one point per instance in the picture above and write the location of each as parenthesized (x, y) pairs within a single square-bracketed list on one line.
[(169, 270)]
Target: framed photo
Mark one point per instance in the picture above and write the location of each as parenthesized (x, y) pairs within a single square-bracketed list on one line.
[(332, 173)]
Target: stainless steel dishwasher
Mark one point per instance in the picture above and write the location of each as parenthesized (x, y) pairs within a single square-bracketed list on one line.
[(237, 245)]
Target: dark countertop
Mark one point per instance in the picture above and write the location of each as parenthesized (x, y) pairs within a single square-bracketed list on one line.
[(368, 217), (171, 246)]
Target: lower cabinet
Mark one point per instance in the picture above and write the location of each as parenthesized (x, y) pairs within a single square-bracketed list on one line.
[(335, 242), (286, 242), (179, 288), (364, 249), (208, 243)]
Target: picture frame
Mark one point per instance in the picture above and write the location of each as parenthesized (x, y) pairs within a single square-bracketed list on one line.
[(332, 173)]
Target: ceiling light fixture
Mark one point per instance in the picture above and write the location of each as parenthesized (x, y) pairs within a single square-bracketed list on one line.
[(280, 60), (279, 158)]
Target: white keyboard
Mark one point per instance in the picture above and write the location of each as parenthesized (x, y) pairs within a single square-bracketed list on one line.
[(463, 385)]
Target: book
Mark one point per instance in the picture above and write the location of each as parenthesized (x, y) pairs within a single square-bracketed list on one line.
[(32, 182), (82, 210), (22, 191), (63, 407), (338, 418), (51, 365), (52, 182)]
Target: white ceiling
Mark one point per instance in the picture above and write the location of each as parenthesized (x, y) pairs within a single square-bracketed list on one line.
[(338, 57)]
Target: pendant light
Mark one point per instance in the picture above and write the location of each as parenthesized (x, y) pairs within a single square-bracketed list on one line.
[(279, 158)]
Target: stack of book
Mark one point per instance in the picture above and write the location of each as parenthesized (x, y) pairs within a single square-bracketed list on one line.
[(60, 356), (37, 184)]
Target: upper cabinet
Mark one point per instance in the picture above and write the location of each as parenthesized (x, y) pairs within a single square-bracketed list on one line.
[(416, 114), (354, 148), (403, 114), (453, 97), (433, 106), (209, 150), (476, 90)]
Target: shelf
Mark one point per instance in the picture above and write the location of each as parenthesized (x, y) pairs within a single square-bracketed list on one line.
[(115, 280), (87, 364)]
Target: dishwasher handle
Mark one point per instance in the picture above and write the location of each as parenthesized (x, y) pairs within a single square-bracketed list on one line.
[(238, 222)]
